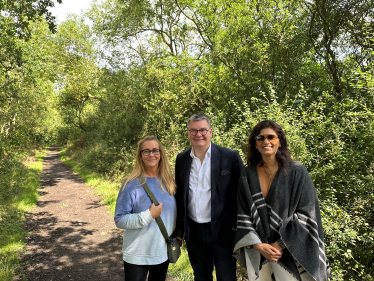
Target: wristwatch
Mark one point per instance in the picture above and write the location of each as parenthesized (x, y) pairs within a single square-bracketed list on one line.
[(281, 243)]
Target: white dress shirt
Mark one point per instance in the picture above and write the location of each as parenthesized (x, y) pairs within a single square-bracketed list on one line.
[(199, 195)]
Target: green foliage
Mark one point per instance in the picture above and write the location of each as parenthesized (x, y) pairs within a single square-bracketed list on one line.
[(27, 98), (332, 140), (143, 67), (242, 62), (15, 18), (28, 120), (19, 182)]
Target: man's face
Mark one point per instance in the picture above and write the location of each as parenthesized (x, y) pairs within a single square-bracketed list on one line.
[(200, 140)]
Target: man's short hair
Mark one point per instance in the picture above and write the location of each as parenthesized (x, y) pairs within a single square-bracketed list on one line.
[(198, 117)]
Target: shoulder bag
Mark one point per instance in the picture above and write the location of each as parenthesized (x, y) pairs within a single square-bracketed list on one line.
[(173, 247)]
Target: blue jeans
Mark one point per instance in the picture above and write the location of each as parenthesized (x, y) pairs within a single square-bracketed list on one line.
[(203, 251)]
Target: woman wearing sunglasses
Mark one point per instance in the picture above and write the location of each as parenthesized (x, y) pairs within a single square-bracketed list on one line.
[(144, 247), (279, 231)]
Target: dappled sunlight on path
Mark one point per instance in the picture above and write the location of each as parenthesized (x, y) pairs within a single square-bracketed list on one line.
[(72, 235)]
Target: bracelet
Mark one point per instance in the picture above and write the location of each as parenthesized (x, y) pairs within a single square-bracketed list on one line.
[(281, 243), (180, 239)]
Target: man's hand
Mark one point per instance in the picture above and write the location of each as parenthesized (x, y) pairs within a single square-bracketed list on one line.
[(155, 210), (268, 251), (180, 238)]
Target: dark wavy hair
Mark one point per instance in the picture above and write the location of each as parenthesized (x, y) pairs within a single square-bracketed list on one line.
[(283, 155)]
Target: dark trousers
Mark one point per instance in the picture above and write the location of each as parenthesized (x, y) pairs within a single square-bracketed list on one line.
[(135, 272), (203, 251)]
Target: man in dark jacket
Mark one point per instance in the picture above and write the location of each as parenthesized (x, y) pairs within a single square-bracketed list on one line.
[(207, 178)]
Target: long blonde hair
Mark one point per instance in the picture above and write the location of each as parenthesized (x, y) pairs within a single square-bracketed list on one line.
[(163, 172)]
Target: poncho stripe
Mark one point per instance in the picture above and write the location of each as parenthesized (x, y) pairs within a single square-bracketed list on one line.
[(290, 211)]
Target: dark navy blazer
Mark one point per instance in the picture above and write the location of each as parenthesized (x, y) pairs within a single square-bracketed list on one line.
[(226, 168)]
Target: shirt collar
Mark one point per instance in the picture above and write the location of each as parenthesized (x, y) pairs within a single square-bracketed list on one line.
[(207, 154)]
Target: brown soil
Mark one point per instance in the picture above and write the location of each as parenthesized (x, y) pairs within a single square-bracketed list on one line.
[(72, 235)]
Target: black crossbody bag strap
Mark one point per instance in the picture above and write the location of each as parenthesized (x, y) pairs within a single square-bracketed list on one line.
[(159, 221)]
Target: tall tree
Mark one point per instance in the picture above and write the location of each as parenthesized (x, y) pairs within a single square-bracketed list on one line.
[(15, 18), (27, 93), (78, 73), (337, 32)]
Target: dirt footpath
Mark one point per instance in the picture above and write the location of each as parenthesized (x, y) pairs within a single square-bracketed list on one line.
[(72, 235)]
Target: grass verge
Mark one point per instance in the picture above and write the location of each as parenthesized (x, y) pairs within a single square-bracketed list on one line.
[(18, 194), (182, 270)]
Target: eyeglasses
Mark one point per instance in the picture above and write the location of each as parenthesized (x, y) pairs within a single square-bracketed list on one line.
[(271, 138), (194, 132), (147, 152)]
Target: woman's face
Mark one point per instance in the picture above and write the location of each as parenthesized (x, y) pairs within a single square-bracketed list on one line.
[(268, 147), (152, 159)]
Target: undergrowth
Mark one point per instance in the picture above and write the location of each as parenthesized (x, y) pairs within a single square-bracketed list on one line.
[(19, 183)]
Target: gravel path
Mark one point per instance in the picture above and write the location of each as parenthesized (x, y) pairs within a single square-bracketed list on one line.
[(72, 235)]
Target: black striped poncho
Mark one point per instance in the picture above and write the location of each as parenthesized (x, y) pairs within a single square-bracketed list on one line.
[(290, 211)]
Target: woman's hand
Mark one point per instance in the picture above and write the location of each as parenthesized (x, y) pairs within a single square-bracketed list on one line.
[(155, 210), (268, 251), (276, 246)]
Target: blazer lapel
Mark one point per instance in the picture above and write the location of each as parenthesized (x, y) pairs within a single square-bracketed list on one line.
[(186, 179), (214, 171)]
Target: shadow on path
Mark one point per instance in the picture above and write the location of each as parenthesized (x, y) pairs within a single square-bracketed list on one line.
[(72, 235)]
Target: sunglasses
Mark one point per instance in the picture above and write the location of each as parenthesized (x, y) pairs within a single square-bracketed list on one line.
[(271, 138)]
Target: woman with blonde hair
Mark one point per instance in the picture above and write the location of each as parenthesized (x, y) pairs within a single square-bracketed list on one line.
[(144, 247)]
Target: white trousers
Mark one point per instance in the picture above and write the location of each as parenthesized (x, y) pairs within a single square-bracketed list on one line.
[(271, 271)]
